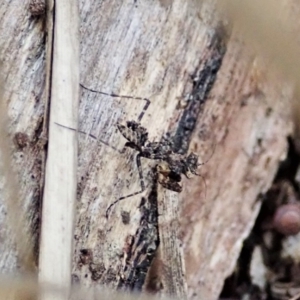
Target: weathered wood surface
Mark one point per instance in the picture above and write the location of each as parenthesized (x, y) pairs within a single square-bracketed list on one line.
[(60, 188), (151, 49), (23, 73), (170, 265)]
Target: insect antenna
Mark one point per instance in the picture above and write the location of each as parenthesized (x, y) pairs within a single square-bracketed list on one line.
[(203, 179), (211, 155), (92, 136), (203, 163)]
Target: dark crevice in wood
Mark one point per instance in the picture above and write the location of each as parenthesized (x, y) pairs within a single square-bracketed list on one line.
[(144, 244), (203, 81)]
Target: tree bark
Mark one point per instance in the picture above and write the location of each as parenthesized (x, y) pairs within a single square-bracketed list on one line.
[(205, 89)]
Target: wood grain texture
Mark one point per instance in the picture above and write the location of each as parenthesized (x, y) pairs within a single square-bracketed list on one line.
[(22, 53), (242, 168), (172, 269), (151, 49), (59, 199), (158, 63)]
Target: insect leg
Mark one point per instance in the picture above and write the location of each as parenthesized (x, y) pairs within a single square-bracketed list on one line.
[(147, 101), (142, 182)]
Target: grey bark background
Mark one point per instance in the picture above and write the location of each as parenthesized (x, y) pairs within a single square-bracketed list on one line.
[(206, 88)]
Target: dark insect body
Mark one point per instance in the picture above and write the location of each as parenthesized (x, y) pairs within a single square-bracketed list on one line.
[(113, 95), (171, 166)]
